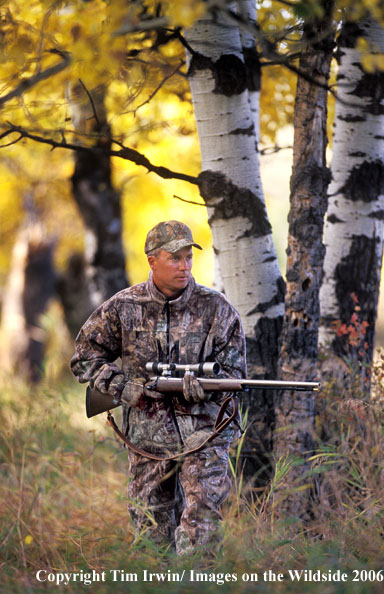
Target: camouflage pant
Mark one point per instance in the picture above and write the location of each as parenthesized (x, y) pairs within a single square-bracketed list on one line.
[(183, 498)]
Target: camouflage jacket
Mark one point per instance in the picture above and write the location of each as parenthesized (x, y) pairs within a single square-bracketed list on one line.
[(140, 324)]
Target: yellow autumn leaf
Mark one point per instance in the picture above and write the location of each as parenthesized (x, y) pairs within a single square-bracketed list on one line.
[(28, 540)]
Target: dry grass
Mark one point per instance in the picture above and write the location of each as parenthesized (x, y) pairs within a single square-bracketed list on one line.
[(63, 504)]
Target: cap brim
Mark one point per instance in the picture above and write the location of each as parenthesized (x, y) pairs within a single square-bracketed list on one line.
[(178, 244)]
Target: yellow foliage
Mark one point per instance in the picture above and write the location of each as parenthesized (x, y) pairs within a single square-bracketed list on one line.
[(184, 14), (371, 58), (148, 107), (162, 130)]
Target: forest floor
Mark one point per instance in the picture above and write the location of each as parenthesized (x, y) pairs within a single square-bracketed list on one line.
[(64, 522)]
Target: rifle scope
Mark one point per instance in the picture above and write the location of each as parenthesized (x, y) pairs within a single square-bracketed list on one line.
[(199, 368)]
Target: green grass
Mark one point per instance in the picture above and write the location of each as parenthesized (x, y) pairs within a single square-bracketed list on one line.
[(63, 507)]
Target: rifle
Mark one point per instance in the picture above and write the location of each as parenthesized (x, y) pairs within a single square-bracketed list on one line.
[(165, 382)]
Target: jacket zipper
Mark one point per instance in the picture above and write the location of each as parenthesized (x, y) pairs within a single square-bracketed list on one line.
[(168, 330), (167, 353)]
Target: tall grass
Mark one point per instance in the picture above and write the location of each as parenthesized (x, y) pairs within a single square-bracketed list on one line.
[(63, 504)]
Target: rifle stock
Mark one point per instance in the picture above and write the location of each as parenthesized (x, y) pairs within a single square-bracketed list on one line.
[(97, 403)]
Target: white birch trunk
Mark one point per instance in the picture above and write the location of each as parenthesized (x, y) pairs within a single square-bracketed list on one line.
[(241, 235), (231, 187), (248, 11), (355, 218)]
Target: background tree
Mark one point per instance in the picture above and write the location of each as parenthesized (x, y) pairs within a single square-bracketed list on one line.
[(295, 418), (354, 228), (104, 269)]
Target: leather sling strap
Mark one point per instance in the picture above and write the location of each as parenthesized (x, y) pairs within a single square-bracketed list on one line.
[(219, 426)]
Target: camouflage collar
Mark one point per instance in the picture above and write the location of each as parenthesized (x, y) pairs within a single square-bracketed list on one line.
[(159, 297)]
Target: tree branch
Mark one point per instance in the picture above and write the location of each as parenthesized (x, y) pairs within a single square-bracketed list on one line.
[(188, 201), (91, 101), (30, 82), (163, 81), (125, 153)]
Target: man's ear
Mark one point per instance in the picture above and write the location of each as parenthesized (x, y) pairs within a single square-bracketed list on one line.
[(151, 260)]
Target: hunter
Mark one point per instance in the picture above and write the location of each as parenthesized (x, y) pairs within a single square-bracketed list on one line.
[(168, 318)]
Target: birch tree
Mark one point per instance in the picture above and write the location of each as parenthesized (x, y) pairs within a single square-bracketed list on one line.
[(248, 12), (354, 227), (231, 187)]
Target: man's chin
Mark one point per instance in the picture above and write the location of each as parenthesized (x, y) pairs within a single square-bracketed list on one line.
[(181, 283)]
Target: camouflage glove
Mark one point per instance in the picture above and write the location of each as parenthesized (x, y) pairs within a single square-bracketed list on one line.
[(136, 394), (192, 390)]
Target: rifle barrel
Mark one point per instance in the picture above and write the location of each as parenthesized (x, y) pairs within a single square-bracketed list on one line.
[(174, 384)]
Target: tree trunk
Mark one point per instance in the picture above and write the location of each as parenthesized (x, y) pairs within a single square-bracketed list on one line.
[(73, 291), (355, 217), (247, 10), (30, 286), (98, 201), (231, 187), (295, 412)]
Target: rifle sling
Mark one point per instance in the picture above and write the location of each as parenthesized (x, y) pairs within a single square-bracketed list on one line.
[(218, 427)]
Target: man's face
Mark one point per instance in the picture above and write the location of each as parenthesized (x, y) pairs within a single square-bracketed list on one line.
[(171, 272)]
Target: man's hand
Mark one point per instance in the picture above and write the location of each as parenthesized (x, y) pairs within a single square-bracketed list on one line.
[(192, 390), (136, 394)]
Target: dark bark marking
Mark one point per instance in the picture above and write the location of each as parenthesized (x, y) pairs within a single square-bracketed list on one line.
[(235, 201), (334, 219), (228, 71), (371, 86), (350, 118), (347, 38), (276, 299), (365, 183), (252, 69), (379, 214), (246, 131), (270, 259), (230, 75), (357, 154)]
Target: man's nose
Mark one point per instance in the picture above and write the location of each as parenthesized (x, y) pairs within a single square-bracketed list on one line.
[(185, 264)]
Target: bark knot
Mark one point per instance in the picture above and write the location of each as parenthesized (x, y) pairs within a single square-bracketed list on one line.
[(229, 73), (229, 200)]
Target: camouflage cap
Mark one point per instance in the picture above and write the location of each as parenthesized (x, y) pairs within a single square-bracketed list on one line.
[(170, 236)]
